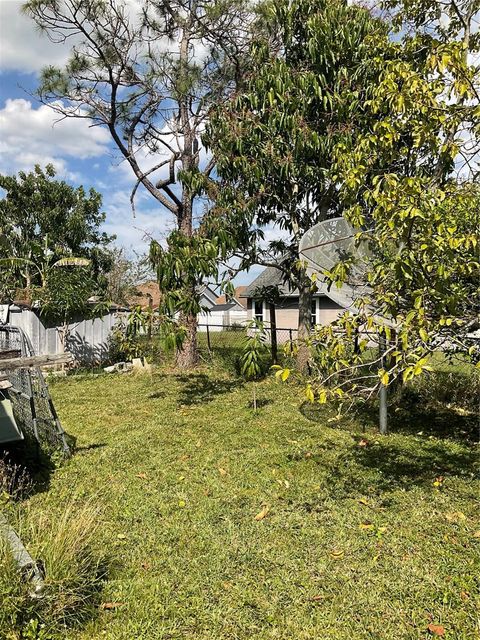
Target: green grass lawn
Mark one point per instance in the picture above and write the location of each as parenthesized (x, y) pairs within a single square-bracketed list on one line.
[(360, 542)]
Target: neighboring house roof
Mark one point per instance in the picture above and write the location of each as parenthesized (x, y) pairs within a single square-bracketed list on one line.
[(237, 297), (228, 306), (273, 277), (145, 290), (209, 294), (143, 293)]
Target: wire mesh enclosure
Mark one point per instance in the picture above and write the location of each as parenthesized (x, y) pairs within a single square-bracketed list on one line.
[(32, 406)]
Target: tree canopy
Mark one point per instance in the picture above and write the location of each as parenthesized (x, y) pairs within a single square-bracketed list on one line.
[(149, 73), (304, 93), (377, 121), (46, 222)]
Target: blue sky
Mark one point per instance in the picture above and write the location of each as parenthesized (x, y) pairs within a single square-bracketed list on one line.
[(30, 133)]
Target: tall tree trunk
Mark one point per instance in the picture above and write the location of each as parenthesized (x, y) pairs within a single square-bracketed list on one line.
[(187, 357), (304, 322)]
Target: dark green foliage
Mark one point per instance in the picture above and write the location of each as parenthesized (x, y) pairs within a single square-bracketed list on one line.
[(43, 220)]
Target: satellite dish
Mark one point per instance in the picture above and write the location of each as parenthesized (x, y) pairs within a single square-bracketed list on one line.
[(325, 245)]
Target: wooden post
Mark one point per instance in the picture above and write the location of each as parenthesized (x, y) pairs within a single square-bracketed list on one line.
[(383, 411), (273, 330)]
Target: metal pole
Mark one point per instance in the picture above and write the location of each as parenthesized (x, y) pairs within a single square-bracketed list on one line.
[(273, 330), (208, 338), (383, 412)]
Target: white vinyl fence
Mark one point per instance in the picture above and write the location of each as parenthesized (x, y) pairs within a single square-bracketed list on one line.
[(87, 339)]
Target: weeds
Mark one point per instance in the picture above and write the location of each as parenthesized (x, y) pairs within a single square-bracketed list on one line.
[(74, 570)]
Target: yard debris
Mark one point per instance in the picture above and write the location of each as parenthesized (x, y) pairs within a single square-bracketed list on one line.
[(262, 514), (142, 475), (436, 629), (455, 516), (222, 472), (363, 443), (109, 606), (337, 553), (119, 367)]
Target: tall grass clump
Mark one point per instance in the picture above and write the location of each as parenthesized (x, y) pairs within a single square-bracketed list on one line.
[(66, 545)]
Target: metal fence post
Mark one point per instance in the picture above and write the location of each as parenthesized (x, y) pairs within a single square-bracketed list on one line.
[(273, 331), (208, 338)]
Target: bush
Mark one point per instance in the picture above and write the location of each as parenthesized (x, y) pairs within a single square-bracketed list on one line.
[(455, 387)]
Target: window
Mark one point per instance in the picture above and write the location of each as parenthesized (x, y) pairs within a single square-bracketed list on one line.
[(313, 317), (258, 310)]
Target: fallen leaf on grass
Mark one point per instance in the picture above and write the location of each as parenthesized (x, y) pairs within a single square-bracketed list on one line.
[(337, 553), (455, 516), (121, 536), (143, 476), (464, 596), (366, 526), (146, 566), (261, 514), (317, 598), (476, 534), (438, 481), (436, 629), (363, 443), (108, 606), (222, 472), (364, 501)]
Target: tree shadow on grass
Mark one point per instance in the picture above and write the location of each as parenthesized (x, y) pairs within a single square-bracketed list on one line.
[(409, 418), (435, 443), (200, 388), (394, 465)]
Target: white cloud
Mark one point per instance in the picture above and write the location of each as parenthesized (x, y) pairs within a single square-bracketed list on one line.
[(135, 233), (29, 136), (22, 47)]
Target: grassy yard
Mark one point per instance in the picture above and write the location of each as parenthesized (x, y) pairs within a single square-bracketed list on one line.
[(356, 536)]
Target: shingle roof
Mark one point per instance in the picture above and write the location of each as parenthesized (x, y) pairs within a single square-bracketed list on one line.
[(273, 277), (224, 307), (239, 293)]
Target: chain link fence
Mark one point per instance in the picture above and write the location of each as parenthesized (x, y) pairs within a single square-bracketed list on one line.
[(228, 341)]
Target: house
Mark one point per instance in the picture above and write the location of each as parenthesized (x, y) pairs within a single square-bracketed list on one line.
[(324, 310), (228, 311)]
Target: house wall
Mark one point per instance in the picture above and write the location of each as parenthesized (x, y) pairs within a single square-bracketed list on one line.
[(87, 341), (287, 312), (216, 320)]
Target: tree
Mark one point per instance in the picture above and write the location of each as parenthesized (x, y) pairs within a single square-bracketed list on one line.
[(150, 78), (304, 93), (125, 274), (44, 221), (410, 188)]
